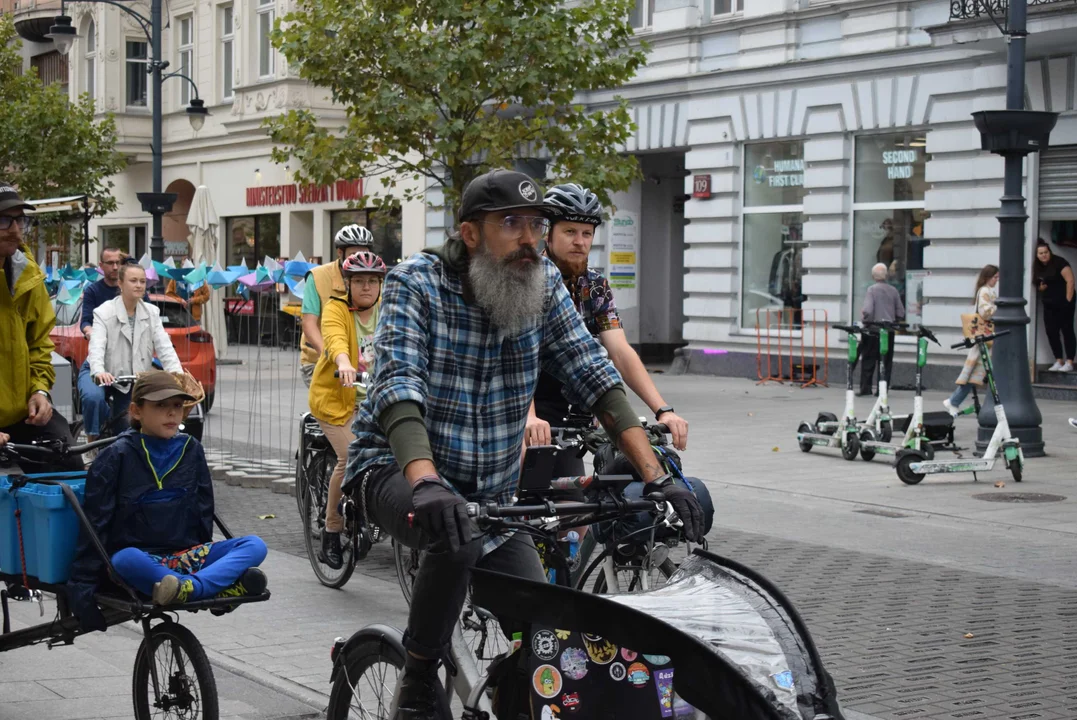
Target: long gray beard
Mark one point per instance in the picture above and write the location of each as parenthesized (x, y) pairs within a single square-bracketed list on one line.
[(513, 298)]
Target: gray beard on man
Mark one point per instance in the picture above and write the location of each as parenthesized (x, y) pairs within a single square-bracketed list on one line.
[(513, 297)]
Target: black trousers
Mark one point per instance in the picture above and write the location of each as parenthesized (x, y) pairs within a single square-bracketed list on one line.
[(442, 581), (55, 429), (1058, 322), (869, 358)]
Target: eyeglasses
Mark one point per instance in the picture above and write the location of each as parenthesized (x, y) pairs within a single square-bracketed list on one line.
[(513, 226), (367, 281), (6, 221), (113, 263)]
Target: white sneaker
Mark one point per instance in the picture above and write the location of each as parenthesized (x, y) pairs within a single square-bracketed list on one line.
[(1056, 367), (1068, 367), (1073, 422), (950, 407)]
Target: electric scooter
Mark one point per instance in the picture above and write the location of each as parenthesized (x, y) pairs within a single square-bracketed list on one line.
[(915, 438), (913, 464), (828, 431), (879, 420)]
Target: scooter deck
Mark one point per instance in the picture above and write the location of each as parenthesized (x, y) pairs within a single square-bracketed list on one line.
[(932, 467)]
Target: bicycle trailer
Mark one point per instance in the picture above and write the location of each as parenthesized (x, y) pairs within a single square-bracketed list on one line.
[(717, 641)]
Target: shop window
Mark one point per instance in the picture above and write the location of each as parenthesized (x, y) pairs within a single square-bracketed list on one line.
[(384, 225), (773, 222), (129, 239), (251, 238), (888, 216)]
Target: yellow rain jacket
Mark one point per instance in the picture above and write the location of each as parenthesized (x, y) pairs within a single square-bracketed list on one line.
[(26, 319)]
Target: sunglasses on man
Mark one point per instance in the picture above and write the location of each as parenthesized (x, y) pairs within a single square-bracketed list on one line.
[(6, 221)]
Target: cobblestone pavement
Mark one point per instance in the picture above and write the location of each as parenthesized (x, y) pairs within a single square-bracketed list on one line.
[(891, 632)]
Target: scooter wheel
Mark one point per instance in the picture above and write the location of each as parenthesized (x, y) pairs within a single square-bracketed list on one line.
[(867, 453), (886, 431), (822, 419), (851, 447), (904, 470), (805, 445), (1015, 470)]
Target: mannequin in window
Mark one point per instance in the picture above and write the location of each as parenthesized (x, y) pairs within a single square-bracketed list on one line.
[(885, 253)]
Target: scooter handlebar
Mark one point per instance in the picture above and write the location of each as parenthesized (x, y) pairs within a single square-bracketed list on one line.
[(929, 335), (851, 329), (969, 342)]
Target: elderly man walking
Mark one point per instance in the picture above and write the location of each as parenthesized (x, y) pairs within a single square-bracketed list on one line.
[(882, 303)]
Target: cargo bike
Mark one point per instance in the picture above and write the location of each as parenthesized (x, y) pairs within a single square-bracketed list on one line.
[(40, 519)]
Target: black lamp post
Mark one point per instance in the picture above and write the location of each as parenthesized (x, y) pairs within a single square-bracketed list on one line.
[(156, 203), (1013, 133)]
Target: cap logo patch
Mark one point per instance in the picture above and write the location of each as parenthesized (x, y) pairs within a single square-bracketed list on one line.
[(528, 191)]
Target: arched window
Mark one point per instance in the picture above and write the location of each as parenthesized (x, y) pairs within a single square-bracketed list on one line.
[(89, 63)]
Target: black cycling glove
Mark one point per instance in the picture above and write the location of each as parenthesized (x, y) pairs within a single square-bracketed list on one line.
[(686, 505), (441, 514)]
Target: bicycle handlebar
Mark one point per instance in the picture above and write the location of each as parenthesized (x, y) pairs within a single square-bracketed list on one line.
[(127, 381), (969, 342), (493, 511), (362, 379), (57, 447)]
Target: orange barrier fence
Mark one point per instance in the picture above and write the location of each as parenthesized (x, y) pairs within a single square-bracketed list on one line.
[(785, 335)]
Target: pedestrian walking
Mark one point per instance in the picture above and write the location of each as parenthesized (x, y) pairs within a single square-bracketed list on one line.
[(985, 296), (1053, 278), (882, 303)]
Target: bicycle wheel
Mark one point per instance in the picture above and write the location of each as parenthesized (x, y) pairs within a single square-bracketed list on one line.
[(314, 501), (407, 566), (365, 684), (186, 688), (629, 571)]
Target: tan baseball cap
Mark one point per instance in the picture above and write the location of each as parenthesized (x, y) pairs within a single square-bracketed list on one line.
[(158, 385)]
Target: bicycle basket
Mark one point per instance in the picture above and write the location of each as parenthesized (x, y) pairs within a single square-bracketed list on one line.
[(717, 635)]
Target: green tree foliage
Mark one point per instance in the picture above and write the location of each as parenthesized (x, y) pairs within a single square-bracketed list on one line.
[(447, 89), (50, 147)]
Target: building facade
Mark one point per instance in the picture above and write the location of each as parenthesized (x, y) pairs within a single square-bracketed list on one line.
[(786, 147), (814, 140)]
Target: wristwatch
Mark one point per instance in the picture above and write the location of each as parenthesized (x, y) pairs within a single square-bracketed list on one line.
[(662, 411)]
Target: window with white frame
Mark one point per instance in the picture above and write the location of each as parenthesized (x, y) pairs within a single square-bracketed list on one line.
[(136, 62), (773, 242), (89, 60), (642, 14), (266, 61), (228, 54), (186, 56), (888, 216), (725, 7)]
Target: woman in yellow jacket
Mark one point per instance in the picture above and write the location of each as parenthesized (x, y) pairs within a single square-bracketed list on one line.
[(347, 326)]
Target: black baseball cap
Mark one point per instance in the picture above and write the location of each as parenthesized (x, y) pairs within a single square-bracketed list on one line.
[(501, 190), (10, 199)]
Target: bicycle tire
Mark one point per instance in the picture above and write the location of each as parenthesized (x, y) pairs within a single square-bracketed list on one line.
[(407, 564), (177, 682), (366, 655), (665, 569), (314, 526)]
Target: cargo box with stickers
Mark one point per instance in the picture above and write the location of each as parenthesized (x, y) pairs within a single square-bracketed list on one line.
[(716, 641)]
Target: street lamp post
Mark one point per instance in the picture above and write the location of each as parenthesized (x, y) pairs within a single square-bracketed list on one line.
[(1013, 133), (157, 202)]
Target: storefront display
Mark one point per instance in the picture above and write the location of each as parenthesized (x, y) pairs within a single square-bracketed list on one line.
[(773, 232), (888, 215)]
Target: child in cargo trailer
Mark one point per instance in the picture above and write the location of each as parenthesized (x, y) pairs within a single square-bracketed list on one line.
[(149, 498)]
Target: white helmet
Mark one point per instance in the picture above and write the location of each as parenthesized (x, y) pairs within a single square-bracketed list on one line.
[(353, 236)]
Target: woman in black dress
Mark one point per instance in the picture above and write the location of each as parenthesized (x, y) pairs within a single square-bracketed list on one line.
[(1053, 278)]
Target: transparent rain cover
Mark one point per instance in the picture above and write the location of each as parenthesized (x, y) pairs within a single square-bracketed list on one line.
[(740, 621)]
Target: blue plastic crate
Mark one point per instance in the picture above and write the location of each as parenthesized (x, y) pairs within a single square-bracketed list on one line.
[(50, 528)]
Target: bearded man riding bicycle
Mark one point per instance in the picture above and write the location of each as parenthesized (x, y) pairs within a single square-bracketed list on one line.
[(465, 330)]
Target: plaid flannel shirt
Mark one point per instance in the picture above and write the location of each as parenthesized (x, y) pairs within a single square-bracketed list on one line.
[(473, 383)]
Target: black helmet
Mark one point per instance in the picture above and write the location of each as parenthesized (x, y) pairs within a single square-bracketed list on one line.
[(574, 203)]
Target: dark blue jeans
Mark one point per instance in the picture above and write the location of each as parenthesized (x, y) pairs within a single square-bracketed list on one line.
[(97, 411)]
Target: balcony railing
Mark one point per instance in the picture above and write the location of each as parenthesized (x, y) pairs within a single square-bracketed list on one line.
[(994, 9)]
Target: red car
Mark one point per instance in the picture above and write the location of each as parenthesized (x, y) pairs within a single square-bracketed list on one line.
[(194, 346)]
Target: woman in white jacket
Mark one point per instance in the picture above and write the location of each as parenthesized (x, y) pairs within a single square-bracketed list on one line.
[(127, 333)]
